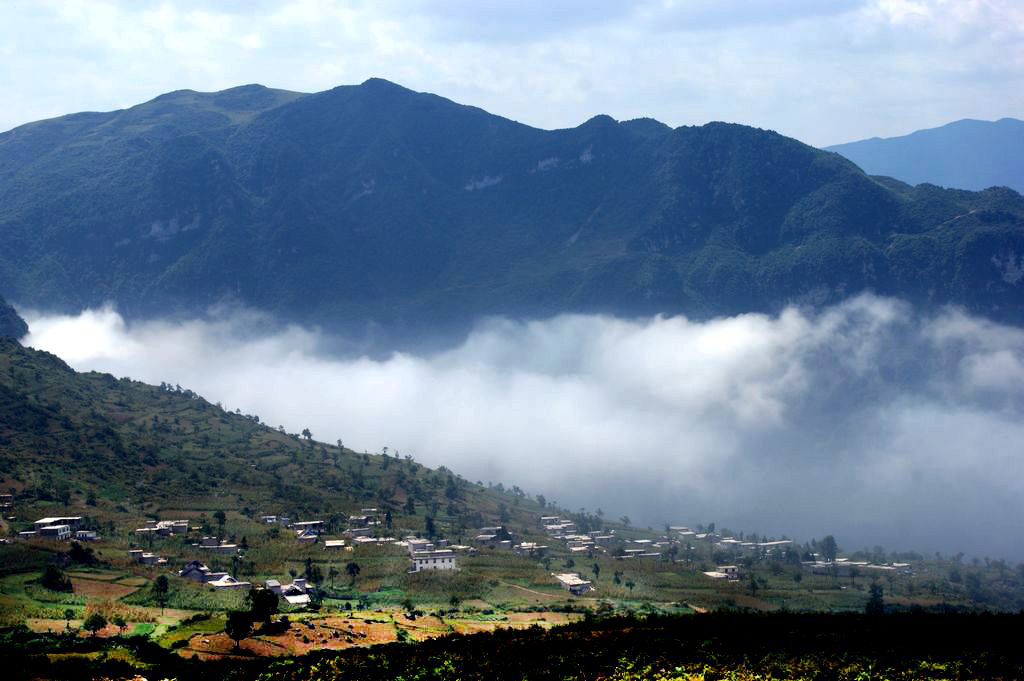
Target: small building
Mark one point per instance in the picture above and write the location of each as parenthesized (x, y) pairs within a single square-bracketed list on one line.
[(28, 534), (531, 549), (334, 544), (573, 583), (296, 593), (353, 532), (86, 535), (730, 572), (195, 571), (57, 532), (227, 582), (72, 521), (308, 526), (443, 559)]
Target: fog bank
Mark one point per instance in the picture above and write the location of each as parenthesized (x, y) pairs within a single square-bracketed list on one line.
[(864, 420)]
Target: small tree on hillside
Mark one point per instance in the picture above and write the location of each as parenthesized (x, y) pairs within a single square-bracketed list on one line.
[(120, 623), (221, 518), (95, 622), (69, 615), (875, 604), (161, 587), (238, 626), (353, 570), (829, 548)]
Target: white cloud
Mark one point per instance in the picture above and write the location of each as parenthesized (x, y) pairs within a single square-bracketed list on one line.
[(861, 420), (824, 72)]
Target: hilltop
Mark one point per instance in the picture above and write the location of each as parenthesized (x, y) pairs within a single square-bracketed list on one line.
[(374, 203), (966, 154)]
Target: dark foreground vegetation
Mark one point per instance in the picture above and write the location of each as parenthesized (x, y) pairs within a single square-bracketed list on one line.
[(713, 646)]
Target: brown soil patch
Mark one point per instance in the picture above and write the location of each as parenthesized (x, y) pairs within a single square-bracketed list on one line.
[(99, 590), (97, 576)]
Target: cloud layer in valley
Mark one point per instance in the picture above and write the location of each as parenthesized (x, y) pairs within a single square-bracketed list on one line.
[(864, 420)]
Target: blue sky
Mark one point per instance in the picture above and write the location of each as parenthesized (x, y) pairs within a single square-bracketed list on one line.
[(824, 71)]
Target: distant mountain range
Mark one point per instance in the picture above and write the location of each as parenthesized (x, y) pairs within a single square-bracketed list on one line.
[(966, 154), (373, 203)]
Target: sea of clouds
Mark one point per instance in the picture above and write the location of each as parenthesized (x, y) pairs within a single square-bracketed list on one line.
[(865, 420)]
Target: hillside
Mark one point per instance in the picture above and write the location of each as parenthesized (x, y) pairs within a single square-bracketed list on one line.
[(375, 203), (105, 445), (11, 325), (967, 154)]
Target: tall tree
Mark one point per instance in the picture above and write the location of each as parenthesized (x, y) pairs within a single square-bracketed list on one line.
[(238, 626)]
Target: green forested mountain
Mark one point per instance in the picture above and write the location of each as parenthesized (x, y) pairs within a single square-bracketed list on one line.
[(11, 325), (376, 203)]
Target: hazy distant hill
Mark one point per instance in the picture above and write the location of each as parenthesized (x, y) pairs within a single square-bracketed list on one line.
[(376, 203), (965, 154), (11, 325)]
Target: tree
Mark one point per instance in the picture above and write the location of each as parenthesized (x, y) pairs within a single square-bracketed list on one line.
[(353, 570), (332, 574), (875, 604), (263, 604), (596, 569), (617, 577), (455, 601), (54, 579), (829, 549), (160, 589), (625, 521), (754, 586), (221, 518), (630, 584), (69, 615), (238, 626), (95, 622), (120, 624), (307, 434), (431, 530)]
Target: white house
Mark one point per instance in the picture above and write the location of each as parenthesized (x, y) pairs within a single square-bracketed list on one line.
[(58, 532), (573, 583), (730, 572), (443, 559)]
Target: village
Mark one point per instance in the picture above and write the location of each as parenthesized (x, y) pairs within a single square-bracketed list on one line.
[(678, 545)]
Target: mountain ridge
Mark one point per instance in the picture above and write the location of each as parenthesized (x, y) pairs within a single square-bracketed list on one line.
[(374, 204)]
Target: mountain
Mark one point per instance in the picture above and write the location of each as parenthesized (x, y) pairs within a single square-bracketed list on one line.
[(373, 203), (11, 325), (965, 154)]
